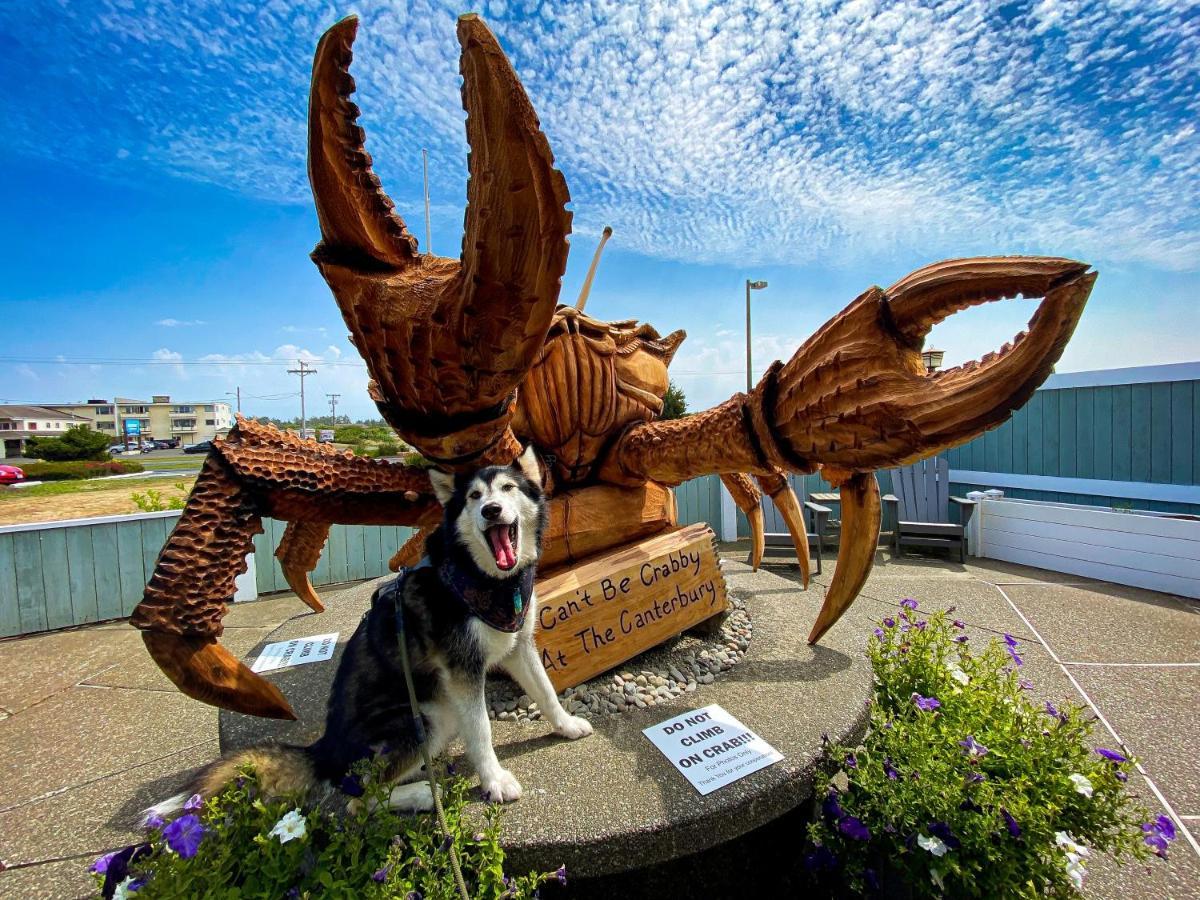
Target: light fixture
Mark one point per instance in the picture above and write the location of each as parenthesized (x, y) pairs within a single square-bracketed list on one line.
[(932, 359)]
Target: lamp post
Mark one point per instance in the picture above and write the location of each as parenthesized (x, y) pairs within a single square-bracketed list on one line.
[(750, 286), (932, 359)]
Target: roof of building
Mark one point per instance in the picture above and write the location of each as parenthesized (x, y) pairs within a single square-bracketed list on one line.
[(36, 412)]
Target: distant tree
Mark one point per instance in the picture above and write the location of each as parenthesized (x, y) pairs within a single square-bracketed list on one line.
[(78, 442), (674, 403)]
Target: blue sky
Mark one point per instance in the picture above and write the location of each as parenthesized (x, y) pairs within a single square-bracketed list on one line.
[(157, 217)]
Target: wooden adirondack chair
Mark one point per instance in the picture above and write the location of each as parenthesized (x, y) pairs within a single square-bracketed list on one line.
[(922, 494)]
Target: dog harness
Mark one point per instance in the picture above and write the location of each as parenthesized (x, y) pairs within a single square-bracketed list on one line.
[(500, 605)]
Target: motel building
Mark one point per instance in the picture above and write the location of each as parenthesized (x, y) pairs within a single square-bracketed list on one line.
[(20, 423), (159, 418)]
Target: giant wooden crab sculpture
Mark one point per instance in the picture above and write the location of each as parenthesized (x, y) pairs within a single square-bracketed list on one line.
[(469, 358)]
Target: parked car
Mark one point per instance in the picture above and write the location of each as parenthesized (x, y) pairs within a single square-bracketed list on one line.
[(202, 447), (116, 448), (11, 475), (164, 445), (325, 436)]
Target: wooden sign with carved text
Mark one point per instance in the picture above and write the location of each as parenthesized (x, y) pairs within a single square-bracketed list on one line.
[(605, 611)]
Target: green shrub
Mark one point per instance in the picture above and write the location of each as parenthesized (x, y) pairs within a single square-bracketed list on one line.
[(77, 442), (152, 501), (387, 448), (963, 787), (240, 845), (414, 458), (65, 471)]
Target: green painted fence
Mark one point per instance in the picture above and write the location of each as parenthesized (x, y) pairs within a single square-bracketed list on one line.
[(1139, 436), (353, 552)]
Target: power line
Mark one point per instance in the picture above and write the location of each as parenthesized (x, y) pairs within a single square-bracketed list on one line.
[(131, 361)]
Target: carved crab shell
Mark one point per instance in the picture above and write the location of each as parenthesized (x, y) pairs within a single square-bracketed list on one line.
[(591, 380)]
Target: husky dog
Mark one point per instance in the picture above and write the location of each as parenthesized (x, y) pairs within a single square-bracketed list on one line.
[(469, 606)]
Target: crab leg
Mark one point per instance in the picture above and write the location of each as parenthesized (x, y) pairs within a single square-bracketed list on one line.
[(446, 341), (298, 553), (855, 397), (749, 500), (776, 486), (861, 512)]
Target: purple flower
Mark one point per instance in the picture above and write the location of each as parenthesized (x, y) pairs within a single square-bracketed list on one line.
[(970, 805), (1010, 640), (920, 626), (959, 624), (1112, 755), (379, 876), (1159, 834), (925, 704), (879, 633), (973, 748), (819, 858), (1025, 684), (450, 769), (831, 807), (115, 867), (851, 761), (908, 603), (184, 835), (561, 874), (889, 622), (351, 786), (942, 830), (446, 842), (961, 639), (853, 828), (413, 895), (194, 803), (889, 769), (293, 893), (1013, 828), (153, 820), (976, 777), (100, 866)]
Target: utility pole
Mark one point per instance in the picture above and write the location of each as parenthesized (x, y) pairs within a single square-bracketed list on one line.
[(333, 399), (750, 286), (425, 170), (303, 371), (239, 398)]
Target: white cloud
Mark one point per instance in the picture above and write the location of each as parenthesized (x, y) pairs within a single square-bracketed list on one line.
[(180, 323), (756, 130)]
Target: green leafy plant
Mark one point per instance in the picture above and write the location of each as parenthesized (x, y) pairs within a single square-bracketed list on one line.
[(241, 845), (152, 500), (674, 403), (965, 788), (387, 448), (76, 443), (78, 469)]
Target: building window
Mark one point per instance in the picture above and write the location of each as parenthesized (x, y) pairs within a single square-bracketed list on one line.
[(209, 422), (182, 410), (134, 410), (32, 426), (106, 426), (104, 410)]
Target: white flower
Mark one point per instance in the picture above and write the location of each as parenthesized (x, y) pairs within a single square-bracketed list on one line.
[(1076, 869), (936, 875), (122, 890), (958, 674), (934, 845), (1082, 785), (291, 826)]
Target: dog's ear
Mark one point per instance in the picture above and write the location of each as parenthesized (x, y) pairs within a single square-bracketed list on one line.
[(527, 465), (443, 485)]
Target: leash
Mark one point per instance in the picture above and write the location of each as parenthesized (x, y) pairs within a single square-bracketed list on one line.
[(424, 744)]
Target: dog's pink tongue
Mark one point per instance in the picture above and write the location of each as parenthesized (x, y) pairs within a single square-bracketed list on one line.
[(502, 547)]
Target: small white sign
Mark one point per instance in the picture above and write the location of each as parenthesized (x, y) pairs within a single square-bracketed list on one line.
[(295, 653), (711, 748)]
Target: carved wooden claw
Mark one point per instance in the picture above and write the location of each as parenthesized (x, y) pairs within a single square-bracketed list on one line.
[(446, 341), (258, 470), (856, 398)]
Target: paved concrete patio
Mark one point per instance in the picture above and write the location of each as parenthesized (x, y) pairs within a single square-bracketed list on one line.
[(91, 732)]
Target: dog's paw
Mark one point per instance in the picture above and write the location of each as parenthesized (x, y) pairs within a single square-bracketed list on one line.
[(502, 787), (573, 728)]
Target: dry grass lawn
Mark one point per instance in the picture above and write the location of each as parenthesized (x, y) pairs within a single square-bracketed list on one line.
[(82, 499)]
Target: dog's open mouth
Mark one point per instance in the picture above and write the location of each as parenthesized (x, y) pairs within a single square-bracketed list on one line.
[(503, 539)]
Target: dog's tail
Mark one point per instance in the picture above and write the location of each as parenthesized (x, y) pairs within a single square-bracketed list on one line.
[(280, 768)]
